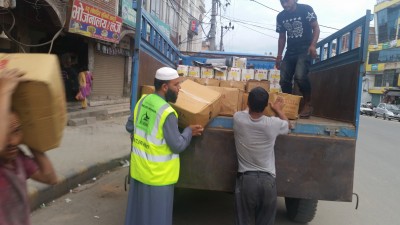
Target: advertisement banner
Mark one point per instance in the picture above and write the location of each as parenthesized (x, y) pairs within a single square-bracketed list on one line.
[(93, 22), (128, 13)]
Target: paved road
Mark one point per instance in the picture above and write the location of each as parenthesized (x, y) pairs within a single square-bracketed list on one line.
[(376, 181)]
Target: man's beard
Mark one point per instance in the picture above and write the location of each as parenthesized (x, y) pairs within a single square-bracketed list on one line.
[(171, 96)]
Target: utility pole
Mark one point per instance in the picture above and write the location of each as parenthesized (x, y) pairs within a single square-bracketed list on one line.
[(213, 30), (221, 43)]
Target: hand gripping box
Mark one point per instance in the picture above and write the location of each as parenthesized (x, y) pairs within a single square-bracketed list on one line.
[(39, 99), (196, 104)]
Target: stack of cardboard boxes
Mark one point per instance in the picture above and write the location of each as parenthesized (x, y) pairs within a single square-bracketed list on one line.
[(207, 92)]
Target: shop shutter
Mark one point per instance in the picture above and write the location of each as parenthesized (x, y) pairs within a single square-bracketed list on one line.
[(108, 75)]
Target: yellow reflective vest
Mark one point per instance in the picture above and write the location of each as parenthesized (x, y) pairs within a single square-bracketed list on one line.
[(152, 161)]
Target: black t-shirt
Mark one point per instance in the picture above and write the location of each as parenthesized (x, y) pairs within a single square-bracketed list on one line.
[(297, 26)]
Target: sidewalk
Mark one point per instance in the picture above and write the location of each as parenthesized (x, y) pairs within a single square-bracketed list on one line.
[(94, 141)]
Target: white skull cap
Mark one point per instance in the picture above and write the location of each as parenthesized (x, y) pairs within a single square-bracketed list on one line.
[(166, 73)]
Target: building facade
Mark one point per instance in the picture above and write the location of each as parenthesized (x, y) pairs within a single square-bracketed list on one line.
[(381, 83), (95, 34)]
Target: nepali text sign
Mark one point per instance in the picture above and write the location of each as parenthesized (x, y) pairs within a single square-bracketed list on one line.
[(93, 22)]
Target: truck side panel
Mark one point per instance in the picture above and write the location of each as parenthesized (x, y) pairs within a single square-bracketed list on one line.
[(307, 166)]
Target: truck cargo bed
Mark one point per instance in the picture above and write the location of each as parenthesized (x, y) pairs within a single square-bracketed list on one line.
[(313, 126)]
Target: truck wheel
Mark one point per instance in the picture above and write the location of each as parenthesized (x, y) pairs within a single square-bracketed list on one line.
[(301, 210)]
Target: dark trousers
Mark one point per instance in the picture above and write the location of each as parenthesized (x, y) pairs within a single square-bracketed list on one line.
[(295, 67), (255, 199)]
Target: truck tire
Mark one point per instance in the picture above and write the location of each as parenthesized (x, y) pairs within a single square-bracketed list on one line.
[(301, 210)]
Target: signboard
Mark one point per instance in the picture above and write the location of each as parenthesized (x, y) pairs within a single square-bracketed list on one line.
[(128, 13), (93, 22), (194, 27), (374, 67)]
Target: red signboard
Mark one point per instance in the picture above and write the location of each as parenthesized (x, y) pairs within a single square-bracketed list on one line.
[(93, 22)]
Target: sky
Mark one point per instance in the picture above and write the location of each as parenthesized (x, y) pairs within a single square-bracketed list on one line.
[(262, 38)]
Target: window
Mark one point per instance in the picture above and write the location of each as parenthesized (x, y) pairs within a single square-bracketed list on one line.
[(387, 22), (378, 80), (388, 79), (384, 56)]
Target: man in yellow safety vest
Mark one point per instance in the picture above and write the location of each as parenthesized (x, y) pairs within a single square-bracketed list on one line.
[(156, 144)]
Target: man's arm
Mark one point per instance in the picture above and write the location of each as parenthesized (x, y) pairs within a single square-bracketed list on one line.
[(277, 106), (312, 50), (46, 173), (281, 47), (177, 141)]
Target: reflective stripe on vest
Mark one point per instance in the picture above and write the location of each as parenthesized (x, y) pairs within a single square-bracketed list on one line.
[(152, 161)]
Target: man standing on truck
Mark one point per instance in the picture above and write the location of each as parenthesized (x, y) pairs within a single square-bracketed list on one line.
[(298, 23), (156, 144), (255, 135)]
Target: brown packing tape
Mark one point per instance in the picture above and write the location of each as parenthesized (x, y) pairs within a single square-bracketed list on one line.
[(207, 81), (233, 84)]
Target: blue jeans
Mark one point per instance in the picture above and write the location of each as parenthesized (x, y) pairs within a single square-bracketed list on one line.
[(296, 66)]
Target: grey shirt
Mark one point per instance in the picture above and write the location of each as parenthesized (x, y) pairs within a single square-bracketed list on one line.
[(255, 141), (177, 141)]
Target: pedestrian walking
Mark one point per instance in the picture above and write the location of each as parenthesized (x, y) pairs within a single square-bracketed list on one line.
[(85, 79), (255, 135), (298, 26), (156, 144)]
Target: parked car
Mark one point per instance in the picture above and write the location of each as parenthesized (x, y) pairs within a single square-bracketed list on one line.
[(365, 110), (387, 111)]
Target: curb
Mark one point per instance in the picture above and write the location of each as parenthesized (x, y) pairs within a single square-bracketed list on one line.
[(39, 194)]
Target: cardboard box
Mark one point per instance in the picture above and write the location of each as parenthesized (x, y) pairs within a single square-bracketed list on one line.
[(244, 101), (207, 72), (183, 70), (255, 83), (239, 62), (261, 74), (247, 74), (220, 75), (231, 100), (196, 104), (207, 81), (274, 78), (291, 108), (234, 74), (233, 84), (147, 89), (39, 100), (194, 71)]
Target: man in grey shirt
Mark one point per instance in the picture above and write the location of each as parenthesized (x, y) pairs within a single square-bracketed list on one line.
[(255, 135)]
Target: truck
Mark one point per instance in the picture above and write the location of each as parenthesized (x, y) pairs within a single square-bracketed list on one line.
[(315, 161)]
